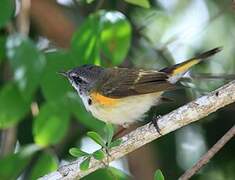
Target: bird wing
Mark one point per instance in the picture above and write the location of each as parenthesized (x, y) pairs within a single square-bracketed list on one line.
[(123, 82)]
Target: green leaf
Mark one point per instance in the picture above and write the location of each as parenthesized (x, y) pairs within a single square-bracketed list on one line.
[(27, 63), (45, 164), (90, 1), (51, 124), (158, 175), (12, 106), (2, 48), (109, 132), (115, 38), (53, 85), (104, 35), (76, 152), (85, 41), (85, 164), (99, 154), (13, 164), (142, 3), (96, 137), (7, 10), (115, 143), (109, 173)]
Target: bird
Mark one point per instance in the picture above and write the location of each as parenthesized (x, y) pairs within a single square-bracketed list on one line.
[(122, 96)]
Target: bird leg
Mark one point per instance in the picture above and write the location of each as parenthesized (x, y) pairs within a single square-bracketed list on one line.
[(154, 121), (119, 132)]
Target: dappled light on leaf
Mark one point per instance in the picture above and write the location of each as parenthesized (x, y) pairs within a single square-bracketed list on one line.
[(103, 39), (28, 67), (6, 12), (12, 106), (46, 163), (50, 125), (143, 3), (12, 164)]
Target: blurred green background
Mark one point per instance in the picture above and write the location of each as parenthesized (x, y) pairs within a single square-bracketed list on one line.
[(41, 116)]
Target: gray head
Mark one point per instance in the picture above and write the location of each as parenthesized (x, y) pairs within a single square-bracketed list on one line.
[(83, 78)]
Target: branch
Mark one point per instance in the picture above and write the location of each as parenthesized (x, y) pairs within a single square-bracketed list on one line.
[(206, 157), (23, 20), (51, 22), (178, 118)]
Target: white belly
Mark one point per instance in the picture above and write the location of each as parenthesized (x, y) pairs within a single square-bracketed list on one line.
[(127, 111)]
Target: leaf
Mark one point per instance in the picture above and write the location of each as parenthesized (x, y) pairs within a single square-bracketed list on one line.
[(45, 164), (53, 85), (158, 175), (51, 124), (109, 132), (2, 48), (7, 10), (115, 37), (96, 137), (142, 3), (85, 41), (76, 152), (12, 106), (13, 164), (99, 154), (115, 143), (104, 35), (90, 1), (85, 164), (27, 63), (109, 173)]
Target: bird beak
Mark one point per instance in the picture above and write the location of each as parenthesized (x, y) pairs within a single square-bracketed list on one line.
[(65, 74)]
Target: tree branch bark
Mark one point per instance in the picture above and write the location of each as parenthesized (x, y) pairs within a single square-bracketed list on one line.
[(51, 22), (178, 118), (206, 157)]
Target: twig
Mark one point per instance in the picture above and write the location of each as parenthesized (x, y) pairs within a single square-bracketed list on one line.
[(51, 22), (99, 4), (178, 118), (23, 21), (8, 141), (206, 157)]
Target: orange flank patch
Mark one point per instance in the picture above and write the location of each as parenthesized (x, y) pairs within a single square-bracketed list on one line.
[(102, 100)]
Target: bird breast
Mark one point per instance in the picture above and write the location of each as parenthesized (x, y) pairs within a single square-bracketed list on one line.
[(121, 111)]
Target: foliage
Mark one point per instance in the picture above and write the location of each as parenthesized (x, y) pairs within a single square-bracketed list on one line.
[(45, 164), (143, 3), (11, 111), (107, 174), (158, 175), (7, 8), (105, 35), (106, 144), (14, 164), (43, 115)]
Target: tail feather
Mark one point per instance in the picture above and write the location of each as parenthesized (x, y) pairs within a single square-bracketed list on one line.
[(176, 71), (208, 53)]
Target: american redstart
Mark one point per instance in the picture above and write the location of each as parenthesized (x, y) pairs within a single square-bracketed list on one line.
[(121, 95)]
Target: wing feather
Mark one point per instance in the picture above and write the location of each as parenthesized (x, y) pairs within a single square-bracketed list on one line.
[(123, 82)]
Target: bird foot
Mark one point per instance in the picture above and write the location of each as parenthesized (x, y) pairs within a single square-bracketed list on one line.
[(154, 122)]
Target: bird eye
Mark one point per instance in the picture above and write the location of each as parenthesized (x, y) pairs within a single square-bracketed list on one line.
[(77, 80)]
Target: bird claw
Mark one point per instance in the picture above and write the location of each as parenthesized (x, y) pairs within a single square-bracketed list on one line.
[(154, 122), (108, 155), (106, 149)]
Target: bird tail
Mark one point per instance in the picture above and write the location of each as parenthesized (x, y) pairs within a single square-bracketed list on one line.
[(176, 71)]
